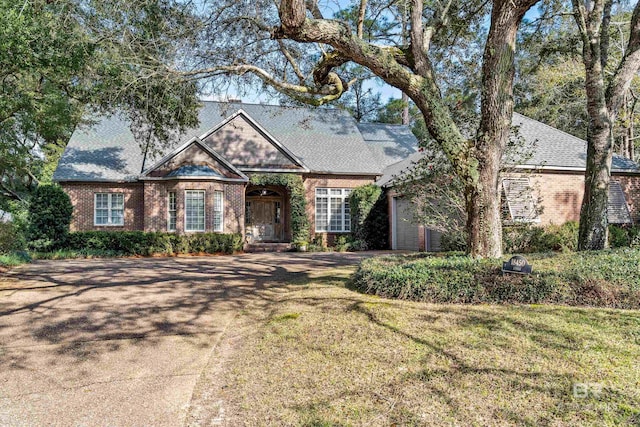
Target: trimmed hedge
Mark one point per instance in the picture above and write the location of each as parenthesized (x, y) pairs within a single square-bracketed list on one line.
[(608, 278), (141, 243)]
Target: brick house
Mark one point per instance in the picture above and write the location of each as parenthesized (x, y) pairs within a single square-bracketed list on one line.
[(202, 182), (543, 186)]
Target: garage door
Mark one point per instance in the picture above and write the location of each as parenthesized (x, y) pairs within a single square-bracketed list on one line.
[(405, 232)]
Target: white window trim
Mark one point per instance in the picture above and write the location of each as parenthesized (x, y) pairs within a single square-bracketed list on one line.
[(204, 211), (109, 209), (169, 210), (345, 198), (215, 194)]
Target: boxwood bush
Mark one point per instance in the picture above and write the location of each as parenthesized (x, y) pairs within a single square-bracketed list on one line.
[(141, 243), (604, 278)]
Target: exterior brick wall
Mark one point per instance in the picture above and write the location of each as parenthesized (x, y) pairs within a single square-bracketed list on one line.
[(560, 194), (311, 182), (156, 195), (82, 199)]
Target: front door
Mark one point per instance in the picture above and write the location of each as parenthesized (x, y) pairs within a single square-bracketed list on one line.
[(264, 220), (263, 215)]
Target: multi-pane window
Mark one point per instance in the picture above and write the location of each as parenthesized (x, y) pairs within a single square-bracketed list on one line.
[(333, 213), (218, 214), (173, 211), (109, 209), (194, 210)]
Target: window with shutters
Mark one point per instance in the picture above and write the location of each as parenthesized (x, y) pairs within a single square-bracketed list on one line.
[(617, 208), (518, 201)]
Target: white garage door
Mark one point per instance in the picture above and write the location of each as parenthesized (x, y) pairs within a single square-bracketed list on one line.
[(405, 232)]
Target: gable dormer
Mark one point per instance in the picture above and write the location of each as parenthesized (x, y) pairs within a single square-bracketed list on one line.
[(249, 147)]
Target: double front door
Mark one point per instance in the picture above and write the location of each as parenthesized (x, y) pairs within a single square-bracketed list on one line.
[(264, 219)]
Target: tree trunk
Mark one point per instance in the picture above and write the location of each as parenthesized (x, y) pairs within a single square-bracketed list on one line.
[(593, 233), (484, 222)]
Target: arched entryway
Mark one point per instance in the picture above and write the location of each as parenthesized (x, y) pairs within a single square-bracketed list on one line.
[(266, 214)]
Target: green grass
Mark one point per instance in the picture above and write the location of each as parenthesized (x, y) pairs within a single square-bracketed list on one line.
[(321, 354), (609, 278), (14, 259)]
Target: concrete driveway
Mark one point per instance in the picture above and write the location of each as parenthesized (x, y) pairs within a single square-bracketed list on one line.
[(127, 341)]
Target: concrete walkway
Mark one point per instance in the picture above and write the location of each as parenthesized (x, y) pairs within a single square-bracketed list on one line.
[(126, 341)]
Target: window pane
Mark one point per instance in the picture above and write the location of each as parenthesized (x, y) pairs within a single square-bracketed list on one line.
[(336, 192), (335, 222), (117, 201), (171, 226), (102, 201), (217, 211), (347, 214), (321, 191), (102, 216), (117, 217), (322, 213), (194, 211)]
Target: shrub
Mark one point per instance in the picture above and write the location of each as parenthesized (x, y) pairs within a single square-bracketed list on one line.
[(50, 213), (531, 238), (141, 243), (11, 239), (624, 236), (453, 241), (600, 278), (369, 217)]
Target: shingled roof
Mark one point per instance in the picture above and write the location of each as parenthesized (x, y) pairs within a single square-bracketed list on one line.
[(553, 148), (539, 146), (388, 143), (324, 140)]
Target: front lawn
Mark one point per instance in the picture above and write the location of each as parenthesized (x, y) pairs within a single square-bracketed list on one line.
[(322, 355)]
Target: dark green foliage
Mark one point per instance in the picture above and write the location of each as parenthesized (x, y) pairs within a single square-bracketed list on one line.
[(11, 239), (50, 213), (297, 201), (369, 218), (141, 243), (523, 238), (454, 241), (624, 236), (529, 239), (604, 279)]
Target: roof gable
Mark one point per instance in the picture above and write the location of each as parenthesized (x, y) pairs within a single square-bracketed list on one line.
[(194, 159), (248, 146)]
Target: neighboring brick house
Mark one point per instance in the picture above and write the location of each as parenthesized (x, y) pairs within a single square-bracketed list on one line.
[(545, 186), (202, 184)]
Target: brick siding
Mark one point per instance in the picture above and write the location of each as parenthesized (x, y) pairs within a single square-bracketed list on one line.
[(146, 204), (560, 194), (82, 199)]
